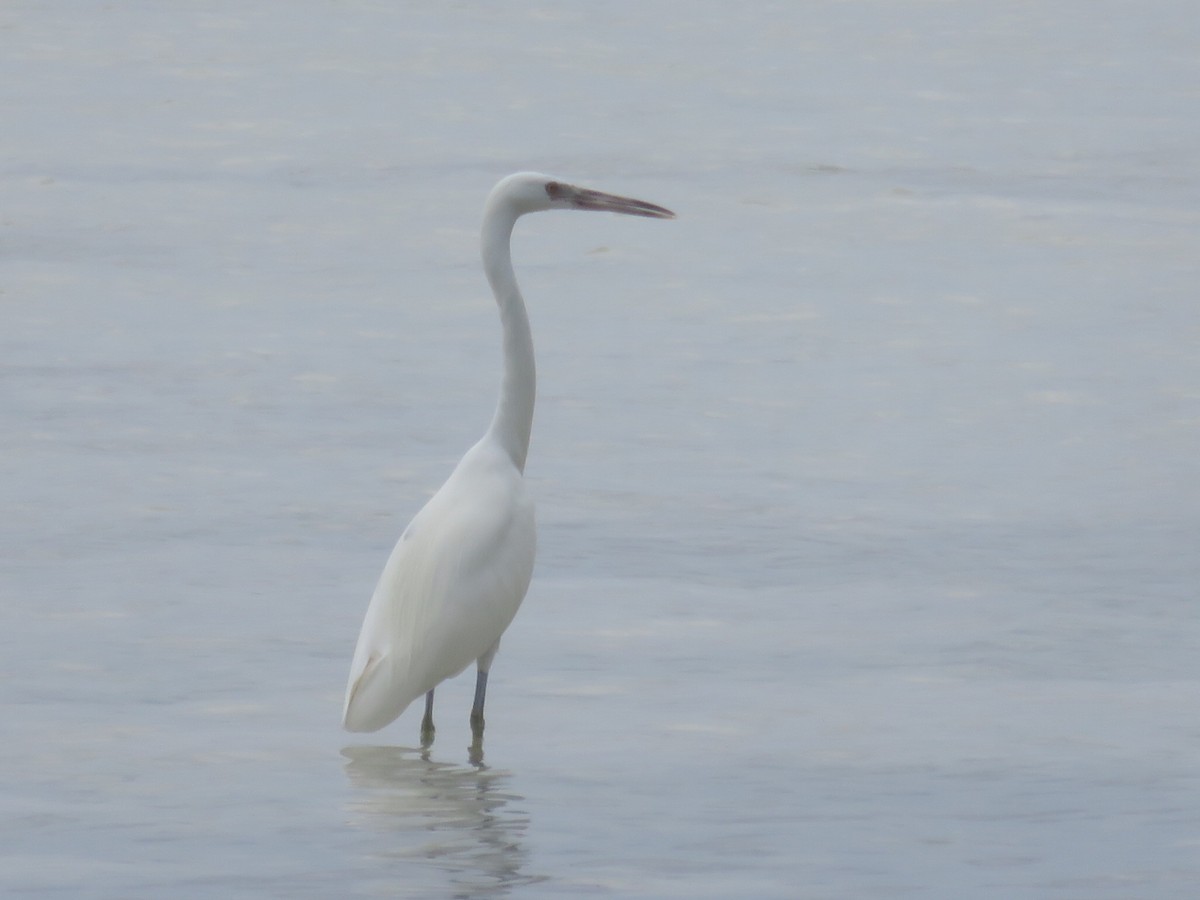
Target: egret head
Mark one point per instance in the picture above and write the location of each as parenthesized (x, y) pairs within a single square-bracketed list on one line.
[(527, 192)]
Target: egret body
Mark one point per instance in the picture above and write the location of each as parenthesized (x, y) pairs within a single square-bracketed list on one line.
[(459, 572)]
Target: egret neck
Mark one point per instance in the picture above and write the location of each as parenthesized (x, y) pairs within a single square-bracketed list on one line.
[(513, 420)]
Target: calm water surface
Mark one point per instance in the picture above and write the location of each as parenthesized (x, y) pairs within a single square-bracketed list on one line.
[(867, 488)]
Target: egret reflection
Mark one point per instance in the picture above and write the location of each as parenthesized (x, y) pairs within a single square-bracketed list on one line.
[(459, 824)]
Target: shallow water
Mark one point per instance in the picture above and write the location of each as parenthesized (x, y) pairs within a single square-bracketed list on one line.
[(867, 488)]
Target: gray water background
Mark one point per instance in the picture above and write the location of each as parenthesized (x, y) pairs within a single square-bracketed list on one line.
[(867, 488)]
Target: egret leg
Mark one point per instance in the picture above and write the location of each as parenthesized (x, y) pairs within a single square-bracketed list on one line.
[(427, 728), (475, 751), (482, 665), (477, 706)]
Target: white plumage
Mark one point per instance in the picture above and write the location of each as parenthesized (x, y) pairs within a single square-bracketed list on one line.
[(459, 572), (450, 588)]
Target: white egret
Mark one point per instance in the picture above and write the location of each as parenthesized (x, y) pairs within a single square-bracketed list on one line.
[(460, 570)]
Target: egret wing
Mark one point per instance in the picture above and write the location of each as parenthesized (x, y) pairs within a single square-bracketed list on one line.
[(450, 588)]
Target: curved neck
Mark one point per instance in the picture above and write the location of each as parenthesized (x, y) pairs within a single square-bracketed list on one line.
[(513, 420)]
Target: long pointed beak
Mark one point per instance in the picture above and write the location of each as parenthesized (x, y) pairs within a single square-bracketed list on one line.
[(583, 198)]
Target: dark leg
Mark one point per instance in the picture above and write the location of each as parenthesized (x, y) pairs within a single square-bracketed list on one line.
[(476, 749), (427, 723), (477, 706)]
